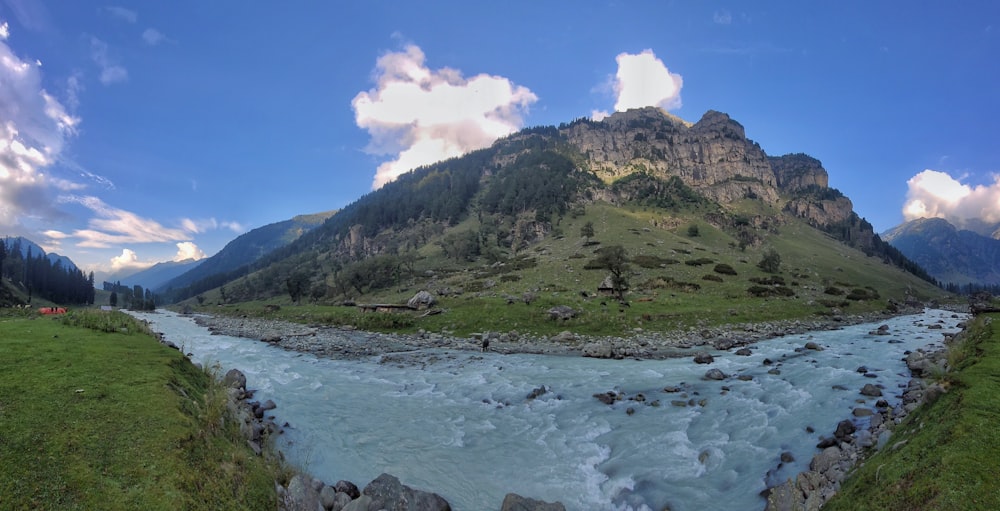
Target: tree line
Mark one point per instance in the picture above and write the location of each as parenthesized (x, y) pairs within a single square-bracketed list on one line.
[(38, 276)]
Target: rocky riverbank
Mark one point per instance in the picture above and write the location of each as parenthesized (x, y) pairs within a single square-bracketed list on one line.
[(849, 444), (302, 492), (346, 343)]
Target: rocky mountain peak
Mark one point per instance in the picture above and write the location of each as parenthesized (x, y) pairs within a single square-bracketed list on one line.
[(798, 171)]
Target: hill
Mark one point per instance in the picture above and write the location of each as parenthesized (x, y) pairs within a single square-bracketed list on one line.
[(951, 255), (245, 249), (694, 208), (159, 274), (27, 272)]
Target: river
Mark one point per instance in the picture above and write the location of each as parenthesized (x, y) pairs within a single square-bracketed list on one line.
[(460, 423)]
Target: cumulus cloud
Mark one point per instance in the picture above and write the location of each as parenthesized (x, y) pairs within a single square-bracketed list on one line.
[(111, 70), (187, 250), (112, 226), (419, 115), (935, 194), (128, 260), (34, 126), (643, 80)]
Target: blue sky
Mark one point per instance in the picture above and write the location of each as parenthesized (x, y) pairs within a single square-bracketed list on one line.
[(137, 132)]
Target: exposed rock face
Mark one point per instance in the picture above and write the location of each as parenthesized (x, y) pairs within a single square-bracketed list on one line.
[(821, 212), (712, 156), (795, 172), (421, 300)]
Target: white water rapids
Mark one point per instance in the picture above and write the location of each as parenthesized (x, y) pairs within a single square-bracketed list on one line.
[(459, 423)]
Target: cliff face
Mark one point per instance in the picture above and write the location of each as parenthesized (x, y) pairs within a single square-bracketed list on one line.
[(712, 156), (795, 172)]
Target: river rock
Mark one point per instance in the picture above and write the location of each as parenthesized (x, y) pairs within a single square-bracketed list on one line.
[(744, 352), (871, 390), (564, 337), (347, 487), (597, 350), (715, 374), (813, 346), (703, 358), (538, 392), (235, 379), (515, 502), (388, 493), (561, 312), (301, 493), (845, 429)]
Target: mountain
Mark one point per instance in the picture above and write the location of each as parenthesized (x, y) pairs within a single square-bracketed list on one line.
[(246, 249), (25, 245), (503, 221), (158, 274), (949, 254)]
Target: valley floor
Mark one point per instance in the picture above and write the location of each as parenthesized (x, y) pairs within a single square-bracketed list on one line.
[(348, 343)]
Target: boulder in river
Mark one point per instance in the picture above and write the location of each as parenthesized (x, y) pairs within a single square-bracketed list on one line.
[(386, 492), (715, 374), (871, 390), (515, 502), (703, 358), (235, 379)]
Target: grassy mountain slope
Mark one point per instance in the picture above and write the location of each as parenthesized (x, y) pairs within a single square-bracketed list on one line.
[(248, 248), (507, 223)]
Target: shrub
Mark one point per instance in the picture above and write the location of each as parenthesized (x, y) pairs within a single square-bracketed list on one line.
[(693, 231), (833, 290), (859, 294), (698, 262), (768, 281), (764, 291), (652, 262), (713, 278), (770, 262), (725, 269), (510, 278)]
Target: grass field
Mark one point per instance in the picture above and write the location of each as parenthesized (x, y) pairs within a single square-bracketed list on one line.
[(949, 457), (115, 421)]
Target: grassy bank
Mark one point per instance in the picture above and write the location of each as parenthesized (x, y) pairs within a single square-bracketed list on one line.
[(948, 453), (96, 414)]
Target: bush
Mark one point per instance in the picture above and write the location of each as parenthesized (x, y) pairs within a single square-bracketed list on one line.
[(713, 278), (693, 231), (765, 291), (771, 262), (768, 281), (859, 294), (833, 290), (698, 262), (725, 269), (652, 262)]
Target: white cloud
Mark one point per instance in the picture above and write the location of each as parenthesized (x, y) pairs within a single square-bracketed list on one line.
[(723, 17), (128, 260), (33, 129), (114, 226), (126, 15), (643, 80), (421, 116), (935, 194), (207, 224), (188, 250), (111, 70), (153, 37)]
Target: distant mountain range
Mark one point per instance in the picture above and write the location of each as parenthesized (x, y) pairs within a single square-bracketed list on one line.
[(156, 275), (951, 254), (242, 251)]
